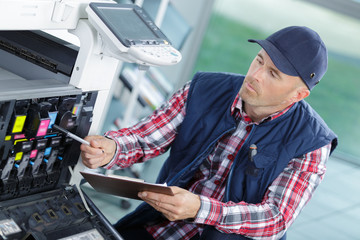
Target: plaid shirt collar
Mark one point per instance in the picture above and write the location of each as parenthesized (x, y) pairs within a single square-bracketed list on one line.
[(238, 112)]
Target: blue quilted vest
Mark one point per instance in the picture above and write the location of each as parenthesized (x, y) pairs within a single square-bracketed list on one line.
[(208, 118)]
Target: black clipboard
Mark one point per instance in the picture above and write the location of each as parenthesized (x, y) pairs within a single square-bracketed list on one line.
[(123, 186)]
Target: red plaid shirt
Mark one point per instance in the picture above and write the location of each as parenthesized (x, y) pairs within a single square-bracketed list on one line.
[(281, 204)]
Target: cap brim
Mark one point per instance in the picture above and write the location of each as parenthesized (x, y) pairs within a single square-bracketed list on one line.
[(280, 61)]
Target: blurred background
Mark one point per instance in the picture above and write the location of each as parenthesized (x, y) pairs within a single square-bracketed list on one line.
[(212, 36)]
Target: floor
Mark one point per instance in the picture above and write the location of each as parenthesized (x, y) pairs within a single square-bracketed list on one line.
[(334, 211), (332, 214)]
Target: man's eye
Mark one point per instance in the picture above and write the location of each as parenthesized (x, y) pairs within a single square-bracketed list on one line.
[(273, 74)]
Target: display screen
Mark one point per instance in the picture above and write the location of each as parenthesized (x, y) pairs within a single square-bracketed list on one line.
[(126, 24)]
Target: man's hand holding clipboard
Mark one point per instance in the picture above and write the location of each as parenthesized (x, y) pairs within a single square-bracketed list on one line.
[(173, 202)]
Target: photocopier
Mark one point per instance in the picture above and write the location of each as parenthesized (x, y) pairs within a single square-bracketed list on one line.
[(58, 61)]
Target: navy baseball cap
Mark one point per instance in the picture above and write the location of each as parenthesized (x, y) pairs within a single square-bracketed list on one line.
[(297, 51)]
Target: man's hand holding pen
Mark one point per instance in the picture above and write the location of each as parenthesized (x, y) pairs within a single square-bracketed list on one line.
[(99, 153)]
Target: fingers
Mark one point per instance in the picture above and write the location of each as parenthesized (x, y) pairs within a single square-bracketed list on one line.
[(182, 205), (99, 153), (92, 157), (159, 200), (91, 150), (93, 162), (167, 209), (96, 141)]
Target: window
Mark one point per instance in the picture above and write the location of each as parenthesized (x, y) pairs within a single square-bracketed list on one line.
[(336, 98)]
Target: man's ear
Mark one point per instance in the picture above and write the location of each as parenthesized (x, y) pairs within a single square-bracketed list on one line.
[(300, 94)]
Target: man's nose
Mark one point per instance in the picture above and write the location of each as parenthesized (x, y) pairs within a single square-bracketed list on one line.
[(258, 74)]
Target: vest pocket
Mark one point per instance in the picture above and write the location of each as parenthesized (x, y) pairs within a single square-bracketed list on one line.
[(256, 172), (260, 161), (264, 159)]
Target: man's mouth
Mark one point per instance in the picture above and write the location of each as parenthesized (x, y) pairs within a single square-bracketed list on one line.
[(250, 87)]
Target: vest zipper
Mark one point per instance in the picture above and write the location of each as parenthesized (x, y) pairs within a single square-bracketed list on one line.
[(227, 190), (179, 174)]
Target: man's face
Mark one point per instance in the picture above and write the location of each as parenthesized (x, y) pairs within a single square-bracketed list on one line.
[(265, 86)]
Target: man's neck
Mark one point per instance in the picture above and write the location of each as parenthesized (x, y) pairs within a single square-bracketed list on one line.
[(259, 113)]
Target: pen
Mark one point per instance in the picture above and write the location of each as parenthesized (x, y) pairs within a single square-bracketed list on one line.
[(252, 152), (251, 168), (69, 134)]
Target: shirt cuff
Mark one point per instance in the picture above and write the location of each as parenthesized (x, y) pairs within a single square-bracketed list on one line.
[(111, 163), (209, 212)]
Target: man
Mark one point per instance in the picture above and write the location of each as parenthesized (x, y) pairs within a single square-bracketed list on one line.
[(247, 152)]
